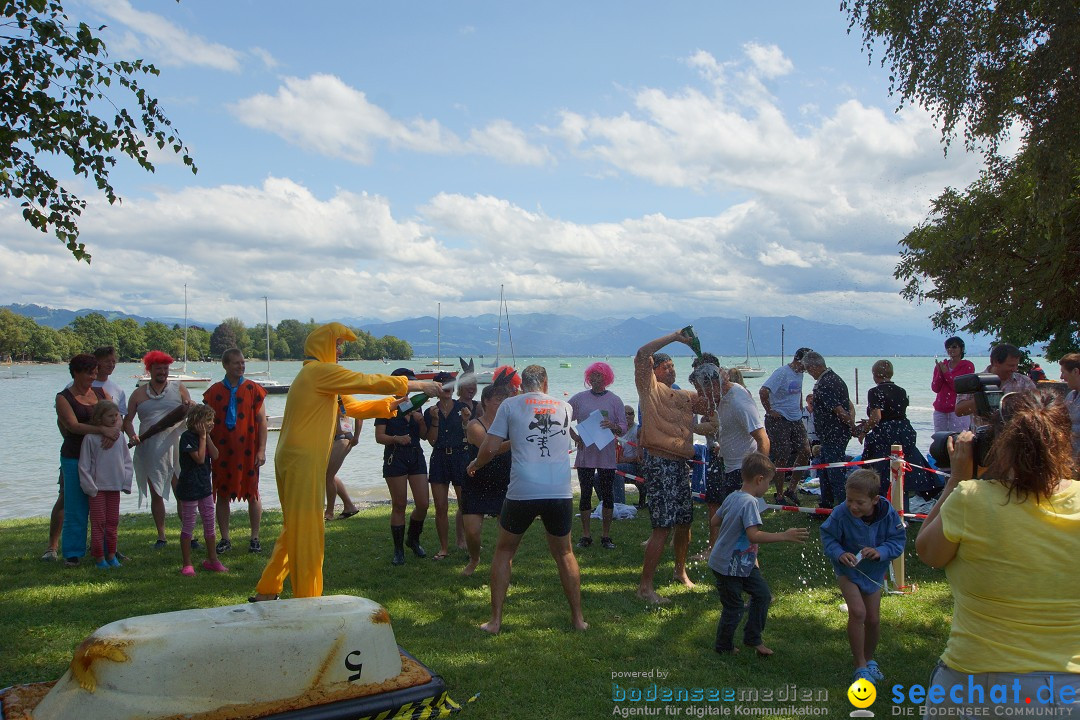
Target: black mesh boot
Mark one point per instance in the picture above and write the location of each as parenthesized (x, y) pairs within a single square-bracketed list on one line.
[(398, 531), (413, 543)]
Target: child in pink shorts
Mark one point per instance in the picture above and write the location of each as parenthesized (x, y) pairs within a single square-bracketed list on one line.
[(194, 490)]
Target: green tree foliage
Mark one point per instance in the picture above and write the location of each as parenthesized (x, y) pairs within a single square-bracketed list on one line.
[(294, 332), (56, 77), (14, 335), (222, 339), (94, 330), (257, 343), (996, 266), (395, 348), (70, 343), (23, 339), (239, 331), (987, 69), (130, 338), (198, 343), (158, 337), (46, 344)]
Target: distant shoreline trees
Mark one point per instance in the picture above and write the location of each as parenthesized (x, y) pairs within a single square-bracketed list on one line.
[(23, 339)]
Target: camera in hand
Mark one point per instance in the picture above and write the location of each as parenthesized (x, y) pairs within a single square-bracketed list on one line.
[(939, 446), (986, 389)]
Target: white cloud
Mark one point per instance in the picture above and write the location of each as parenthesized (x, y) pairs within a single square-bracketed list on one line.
[(265, 56), (502, 140), (768, 60), (350, 254), (777, 254), (324, 114), (165, 43), (852, 166)]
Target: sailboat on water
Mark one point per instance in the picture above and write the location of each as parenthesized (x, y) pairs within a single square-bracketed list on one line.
[(748, 370), (485, 378), (271, 386), (189, 380), (437, 365)]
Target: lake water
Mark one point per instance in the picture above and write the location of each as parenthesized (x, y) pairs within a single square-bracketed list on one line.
[(30, 441)]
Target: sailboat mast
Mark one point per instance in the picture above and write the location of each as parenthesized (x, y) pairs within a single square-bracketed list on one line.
[(438, 337), (185, 327), (498, 342), (266, 311), (509, 336), (747, 339)]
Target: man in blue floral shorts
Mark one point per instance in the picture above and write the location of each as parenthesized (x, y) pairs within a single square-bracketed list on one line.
[(667, 434)]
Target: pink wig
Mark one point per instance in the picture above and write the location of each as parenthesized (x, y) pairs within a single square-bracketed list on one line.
[(605, 371), (156, 357)]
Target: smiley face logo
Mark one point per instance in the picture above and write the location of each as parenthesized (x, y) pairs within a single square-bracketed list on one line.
[(862, 693)]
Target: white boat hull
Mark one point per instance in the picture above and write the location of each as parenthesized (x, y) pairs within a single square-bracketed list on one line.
[(749, 372), (226, 659)]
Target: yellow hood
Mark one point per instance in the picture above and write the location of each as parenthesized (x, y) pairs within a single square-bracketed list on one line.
[(321, 343)]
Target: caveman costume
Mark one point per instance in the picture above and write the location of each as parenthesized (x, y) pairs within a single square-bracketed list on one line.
[(303, 451)]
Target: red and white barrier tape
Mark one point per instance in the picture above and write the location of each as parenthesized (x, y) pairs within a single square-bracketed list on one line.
[(827, 511), (786, 508), (908, 466), (822, 466)]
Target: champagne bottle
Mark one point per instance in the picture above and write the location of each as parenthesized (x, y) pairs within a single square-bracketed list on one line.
[(695, 342), (413, 403)]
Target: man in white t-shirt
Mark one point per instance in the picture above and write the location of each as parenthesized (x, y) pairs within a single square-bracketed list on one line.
[(740, 432), (781, 398), (538, 428)]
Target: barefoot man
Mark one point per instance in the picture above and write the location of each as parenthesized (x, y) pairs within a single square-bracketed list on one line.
[(666, 432), (538, 428)]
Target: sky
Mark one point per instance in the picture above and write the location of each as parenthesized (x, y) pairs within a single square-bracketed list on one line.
[(616, 159)]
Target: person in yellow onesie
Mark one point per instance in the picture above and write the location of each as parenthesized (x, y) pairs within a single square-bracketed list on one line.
[(303, 451)]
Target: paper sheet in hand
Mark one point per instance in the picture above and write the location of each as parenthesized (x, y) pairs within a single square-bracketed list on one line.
[(592, 434)]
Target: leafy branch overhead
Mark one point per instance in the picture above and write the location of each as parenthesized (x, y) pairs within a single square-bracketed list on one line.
[(59, 87), (1002, 256)]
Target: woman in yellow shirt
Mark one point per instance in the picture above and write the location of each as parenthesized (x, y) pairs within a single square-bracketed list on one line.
[(1009, 543)]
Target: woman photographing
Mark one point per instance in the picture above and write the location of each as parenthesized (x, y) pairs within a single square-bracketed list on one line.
[(1009, 543)]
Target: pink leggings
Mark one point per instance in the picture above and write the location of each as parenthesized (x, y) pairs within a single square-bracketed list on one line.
[(104, 518), (205, 507)]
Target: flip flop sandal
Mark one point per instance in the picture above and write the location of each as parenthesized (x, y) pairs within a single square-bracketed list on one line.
[(440, 556), (345, 515)]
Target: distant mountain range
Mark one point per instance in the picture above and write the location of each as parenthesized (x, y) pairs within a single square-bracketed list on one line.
[(58, 318), (543, 334)]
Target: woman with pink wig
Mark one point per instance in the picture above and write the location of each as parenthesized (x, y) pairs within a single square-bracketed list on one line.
[(595, 464)]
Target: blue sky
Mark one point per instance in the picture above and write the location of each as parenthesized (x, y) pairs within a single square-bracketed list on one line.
[(608, 158)]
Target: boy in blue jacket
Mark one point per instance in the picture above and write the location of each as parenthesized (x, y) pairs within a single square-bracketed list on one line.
[(861, 537)]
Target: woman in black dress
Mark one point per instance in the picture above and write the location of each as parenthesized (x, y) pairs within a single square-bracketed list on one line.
[(888, 425), (404, 468), (485, 492)]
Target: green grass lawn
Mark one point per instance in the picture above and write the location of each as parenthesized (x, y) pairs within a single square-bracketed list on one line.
[(537, 667)]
